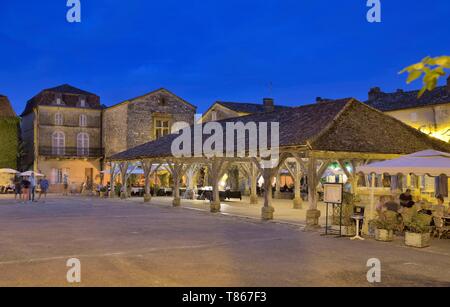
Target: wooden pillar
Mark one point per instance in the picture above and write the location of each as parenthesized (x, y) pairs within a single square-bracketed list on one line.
[(147, 167), (352, 176), (314, 175), (190, 184), (124, 178), (296, 174), (177, 170), (252, 171), (267, 210), (370, 211), (297, 187), (113, 174), (216, 169)]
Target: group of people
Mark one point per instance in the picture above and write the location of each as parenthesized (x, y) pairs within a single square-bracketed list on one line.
[(406, 201), (25, 188)]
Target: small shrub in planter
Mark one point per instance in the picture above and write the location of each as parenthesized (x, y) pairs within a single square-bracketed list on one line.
[(418, 231), (103, 191), (384, 225)]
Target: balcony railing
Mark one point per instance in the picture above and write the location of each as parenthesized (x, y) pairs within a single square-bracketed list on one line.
[(70, 152)]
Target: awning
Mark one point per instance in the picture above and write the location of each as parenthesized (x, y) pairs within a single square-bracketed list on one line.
[(428, 162)]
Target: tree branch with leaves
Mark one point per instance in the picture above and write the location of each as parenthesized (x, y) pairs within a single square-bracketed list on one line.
[(431, 69)]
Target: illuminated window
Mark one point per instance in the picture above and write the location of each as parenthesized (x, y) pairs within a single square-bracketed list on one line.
[(83, 102), (59, 119), (162, 128)]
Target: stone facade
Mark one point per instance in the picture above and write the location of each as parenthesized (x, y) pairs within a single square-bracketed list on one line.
[(70, 113), (132, 122), (218, 112), (432, 120)]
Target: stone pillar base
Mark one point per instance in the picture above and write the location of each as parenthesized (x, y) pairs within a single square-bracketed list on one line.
[(253, 199), (147, 198), (267, 213), (176, 202), (312, 218), (215, 207), (298, 204)]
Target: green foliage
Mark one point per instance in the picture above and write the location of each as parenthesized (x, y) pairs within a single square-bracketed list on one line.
[(386, 220), (431, 69), (419, 223), (118, 189), (9, 142)]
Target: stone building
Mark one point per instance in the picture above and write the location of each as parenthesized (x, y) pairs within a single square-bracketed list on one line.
[(429, 113), (61, 131), (139, 120), (223, 110)]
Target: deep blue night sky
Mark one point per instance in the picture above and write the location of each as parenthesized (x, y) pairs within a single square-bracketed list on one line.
[(217, 50)]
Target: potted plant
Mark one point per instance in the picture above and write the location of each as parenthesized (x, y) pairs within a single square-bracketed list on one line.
[(418, 230), (384, 226), (103, 191)]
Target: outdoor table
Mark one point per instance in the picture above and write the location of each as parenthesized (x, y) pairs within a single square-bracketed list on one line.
[(357, 218)]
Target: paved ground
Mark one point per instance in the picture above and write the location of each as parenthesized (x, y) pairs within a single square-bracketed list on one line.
[(125, 243), (284, 211)]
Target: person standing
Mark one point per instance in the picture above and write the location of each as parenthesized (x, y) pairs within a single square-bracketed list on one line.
[(17, 188), (43, 184), (32, 187), (66, 184), (25, 190)]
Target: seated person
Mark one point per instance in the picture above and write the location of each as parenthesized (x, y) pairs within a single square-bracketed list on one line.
[(391, 205), (406, 200), (387, 203)]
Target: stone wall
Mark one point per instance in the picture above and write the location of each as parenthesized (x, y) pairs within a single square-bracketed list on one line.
[(132, 123), (70, 127), (221, 113)]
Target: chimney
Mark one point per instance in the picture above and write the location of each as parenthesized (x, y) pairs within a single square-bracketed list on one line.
[(374, 93), (268, 104)]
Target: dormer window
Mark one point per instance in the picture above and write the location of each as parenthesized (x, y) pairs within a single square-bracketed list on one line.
[(58, 100), (82, 102)]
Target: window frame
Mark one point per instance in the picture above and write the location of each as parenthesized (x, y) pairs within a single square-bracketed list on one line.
[(83, 141), (162, 129), (58, 143)]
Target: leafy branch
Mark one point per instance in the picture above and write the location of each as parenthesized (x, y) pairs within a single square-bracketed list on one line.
[(431, 69)]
